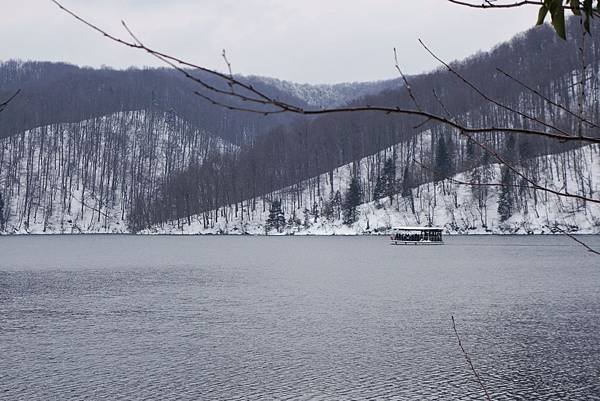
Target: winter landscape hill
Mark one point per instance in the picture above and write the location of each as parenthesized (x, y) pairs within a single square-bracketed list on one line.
[(311, 208), (128, 151)]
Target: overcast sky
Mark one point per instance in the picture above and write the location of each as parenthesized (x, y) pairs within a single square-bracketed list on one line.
[(315, 41)]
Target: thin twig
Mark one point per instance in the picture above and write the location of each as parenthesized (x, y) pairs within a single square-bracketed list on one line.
[(263, 99), (7, 101), (564, 232), (547, 99), (468, 358), (485, 96)]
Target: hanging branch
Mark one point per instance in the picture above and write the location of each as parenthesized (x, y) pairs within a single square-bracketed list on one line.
[(485, 96), (574, 238), (582, 8), (7, 101), (258, 98), (468, 358), (490, 4), (547, 99)]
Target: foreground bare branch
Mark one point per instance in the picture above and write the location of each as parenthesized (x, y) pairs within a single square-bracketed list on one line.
[(257, 100), (574, 238), (10, 99), (468, 358)]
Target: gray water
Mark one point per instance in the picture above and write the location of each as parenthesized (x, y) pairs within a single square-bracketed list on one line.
[(262, 318)]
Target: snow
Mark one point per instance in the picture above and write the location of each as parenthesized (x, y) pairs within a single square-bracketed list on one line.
[(446, 204), (330, 95), (66, 208)]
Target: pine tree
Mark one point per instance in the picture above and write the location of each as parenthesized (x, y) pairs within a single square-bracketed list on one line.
[(276, 218), (1, 213), (505, 201), (379, 191), (470, 151), (407, 182), (443, 165), (407, 185), (386, 181), (337, 204), (306, 222), (327, 211), (351, 202), (389, 177), (315, 212)]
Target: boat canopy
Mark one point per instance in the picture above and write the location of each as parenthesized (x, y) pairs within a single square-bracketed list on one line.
[(417, 235), (417, 229)]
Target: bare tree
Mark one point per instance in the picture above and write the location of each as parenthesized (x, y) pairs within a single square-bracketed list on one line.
[(232, 92)]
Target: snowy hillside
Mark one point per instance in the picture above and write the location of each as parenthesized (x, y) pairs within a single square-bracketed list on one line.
[(330, 95), (83, 177), (457, 207)]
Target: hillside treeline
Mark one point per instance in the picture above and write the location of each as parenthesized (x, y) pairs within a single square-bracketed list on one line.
[(138, 145)]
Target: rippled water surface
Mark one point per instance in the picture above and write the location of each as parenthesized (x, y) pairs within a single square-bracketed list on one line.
[(251, 318)]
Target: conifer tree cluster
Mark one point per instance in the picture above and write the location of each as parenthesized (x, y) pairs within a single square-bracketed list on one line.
[(386, 181), (351, 202), (276, 218), (332, 208), (443, 164), (505, 199)]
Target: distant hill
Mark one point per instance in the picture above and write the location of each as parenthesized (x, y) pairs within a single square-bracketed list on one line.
[(139, 144)]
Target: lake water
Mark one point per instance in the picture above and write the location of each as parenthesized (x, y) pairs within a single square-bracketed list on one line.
[(277, 318)]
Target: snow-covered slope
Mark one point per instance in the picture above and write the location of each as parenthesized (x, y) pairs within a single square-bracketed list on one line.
[(84, 177), (330, 95), (457, 207)]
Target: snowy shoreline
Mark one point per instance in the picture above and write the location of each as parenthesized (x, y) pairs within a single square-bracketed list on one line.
[(185, 234)]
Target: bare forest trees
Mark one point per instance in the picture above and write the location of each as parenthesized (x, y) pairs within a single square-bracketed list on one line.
[(88, 175), (501, 107)]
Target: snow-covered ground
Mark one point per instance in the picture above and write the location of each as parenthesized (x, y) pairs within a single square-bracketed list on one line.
[(68, 193), (330, 95), (456, 207), (81, 177)]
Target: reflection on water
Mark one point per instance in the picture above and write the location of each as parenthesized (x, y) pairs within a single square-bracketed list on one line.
[(205, 318)]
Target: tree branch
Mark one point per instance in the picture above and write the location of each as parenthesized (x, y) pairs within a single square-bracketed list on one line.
[(260, 98), (7, 101), (468, 358)]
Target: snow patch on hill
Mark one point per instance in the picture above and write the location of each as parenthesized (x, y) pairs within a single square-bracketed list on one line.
[(330, 95)]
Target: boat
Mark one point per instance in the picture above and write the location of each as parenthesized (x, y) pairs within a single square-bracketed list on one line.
[(416, 236)]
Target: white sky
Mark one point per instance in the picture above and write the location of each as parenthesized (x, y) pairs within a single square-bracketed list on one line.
[(316, 41)]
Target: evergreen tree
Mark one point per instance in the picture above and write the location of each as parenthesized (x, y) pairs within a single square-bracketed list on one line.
[(276, 218), (327, 211), (1, 213), (470, 151), (505, 200), (351, 202), (389, 177), (386, 181), (510, 149), (315, 212), (407, 182), (306, 222), (443, 165), (379, 191), (407, 185), (337, 204)]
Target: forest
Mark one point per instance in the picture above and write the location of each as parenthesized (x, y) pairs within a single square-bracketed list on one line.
[(85, 150)]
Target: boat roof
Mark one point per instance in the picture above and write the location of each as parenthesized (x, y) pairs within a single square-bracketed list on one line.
[(418, 228)]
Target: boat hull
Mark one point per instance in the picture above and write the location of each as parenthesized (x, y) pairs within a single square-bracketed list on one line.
[(394, 242)]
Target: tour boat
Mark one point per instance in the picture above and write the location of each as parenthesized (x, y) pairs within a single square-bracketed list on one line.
[(416, 236)]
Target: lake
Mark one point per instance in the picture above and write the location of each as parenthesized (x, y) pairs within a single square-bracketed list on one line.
[(297, 318)]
